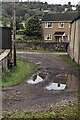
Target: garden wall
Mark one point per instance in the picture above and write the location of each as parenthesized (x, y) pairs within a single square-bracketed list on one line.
[(62, 46), (4, 61)]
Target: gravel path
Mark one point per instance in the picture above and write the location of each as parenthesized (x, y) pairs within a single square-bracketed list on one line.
[(34, 98)]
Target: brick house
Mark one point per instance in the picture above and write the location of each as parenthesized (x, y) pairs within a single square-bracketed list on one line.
[(74, 45), (56, 27)]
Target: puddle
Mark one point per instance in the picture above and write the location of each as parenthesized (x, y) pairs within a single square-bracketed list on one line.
[(35, 80), (63, 81), (56, 86)]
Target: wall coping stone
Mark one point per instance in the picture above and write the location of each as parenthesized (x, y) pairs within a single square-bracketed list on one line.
[(4, 54)]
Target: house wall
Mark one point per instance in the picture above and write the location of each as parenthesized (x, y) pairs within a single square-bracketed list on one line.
[(55, 28), (74, 46)]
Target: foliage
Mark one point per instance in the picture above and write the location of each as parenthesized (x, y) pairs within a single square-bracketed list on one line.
[(33, 27), (25, 10), (17, 74), (69, 112)]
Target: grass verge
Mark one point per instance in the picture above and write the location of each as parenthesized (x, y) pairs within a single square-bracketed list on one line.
[(65, 113), (43, 51), (66, 59), (17, 74)]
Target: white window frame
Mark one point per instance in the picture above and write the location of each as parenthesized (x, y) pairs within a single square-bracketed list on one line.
[(47, 25), (48, 37), (69, 25), (61, 25), (68, 37)]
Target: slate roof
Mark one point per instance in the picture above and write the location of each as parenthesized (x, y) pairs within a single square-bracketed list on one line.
[(69, 16)]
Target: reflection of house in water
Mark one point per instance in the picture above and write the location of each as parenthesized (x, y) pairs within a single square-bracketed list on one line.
[(69, 80)]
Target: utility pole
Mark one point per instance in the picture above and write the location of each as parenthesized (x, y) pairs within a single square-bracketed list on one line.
[(14, 33)]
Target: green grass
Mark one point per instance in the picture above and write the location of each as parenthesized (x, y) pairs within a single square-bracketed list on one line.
[(66, 59), (65, 113), (43, 51), (17, 74)]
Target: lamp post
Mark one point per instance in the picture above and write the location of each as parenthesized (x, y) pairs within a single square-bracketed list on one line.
[(14, 33)]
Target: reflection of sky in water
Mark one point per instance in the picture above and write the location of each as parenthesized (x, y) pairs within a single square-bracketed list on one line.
[(37, 80), (56, 86)]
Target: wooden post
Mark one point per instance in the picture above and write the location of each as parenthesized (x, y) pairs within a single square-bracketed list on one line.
[(14, 33)]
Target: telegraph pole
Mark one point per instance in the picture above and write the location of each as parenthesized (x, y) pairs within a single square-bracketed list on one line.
[(14, 33)]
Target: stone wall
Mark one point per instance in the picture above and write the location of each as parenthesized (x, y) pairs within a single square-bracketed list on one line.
[(62, 46), (74, 46), (4, 61)]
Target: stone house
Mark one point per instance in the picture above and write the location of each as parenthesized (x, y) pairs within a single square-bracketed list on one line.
[(56, 27), (74, 45)]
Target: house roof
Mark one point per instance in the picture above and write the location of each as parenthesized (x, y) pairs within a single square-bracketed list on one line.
[(76, 18), (67, 16)]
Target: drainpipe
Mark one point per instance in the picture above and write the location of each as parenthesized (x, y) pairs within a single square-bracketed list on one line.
[(74, 37), (79, 44)]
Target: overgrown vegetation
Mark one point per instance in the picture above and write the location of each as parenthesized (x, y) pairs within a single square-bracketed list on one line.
[(67, 59), (65, 113), (16, 75)]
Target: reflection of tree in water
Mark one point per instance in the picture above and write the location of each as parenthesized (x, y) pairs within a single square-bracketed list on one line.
[(58, 85)]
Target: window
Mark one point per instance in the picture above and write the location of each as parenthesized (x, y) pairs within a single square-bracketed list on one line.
[(69, 26), (61, 25), (48, 37), (68, 37), (48, 25)]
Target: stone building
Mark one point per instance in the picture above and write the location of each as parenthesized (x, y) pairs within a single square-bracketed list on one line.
[(74, 46)]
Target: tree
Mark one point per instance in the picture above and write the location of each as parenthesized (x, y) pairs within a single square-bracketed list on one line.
[(69, 3), (33, 27)]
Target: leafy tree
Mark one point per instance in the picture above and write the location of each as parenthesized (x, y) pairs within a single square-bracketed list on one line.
[(33, 27)]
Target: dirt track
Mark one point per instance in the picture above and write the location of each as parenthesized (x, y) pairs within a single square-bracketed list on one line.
[(26, 97)]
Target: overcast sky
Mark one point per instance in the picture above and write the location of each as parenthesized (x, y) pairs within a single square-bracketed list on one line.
[(58, 1), (61, 1)]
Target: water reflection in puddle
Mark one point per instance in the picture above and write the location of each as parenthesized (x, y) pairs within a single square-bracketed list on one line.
[(37, 79), (63, 81), (56, 86)]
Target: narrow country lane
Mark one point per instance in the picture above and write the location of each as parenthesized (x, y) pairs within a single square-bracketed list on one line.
[(32, 98)]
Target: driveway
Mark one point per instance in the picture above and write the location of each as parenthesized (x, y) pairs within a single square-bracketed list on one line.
[(35, 97)]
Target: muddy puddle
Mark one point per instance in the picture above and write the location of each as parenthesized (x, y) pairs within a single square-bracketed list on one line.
[(39, 76), (63, 81), (35, 80)]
